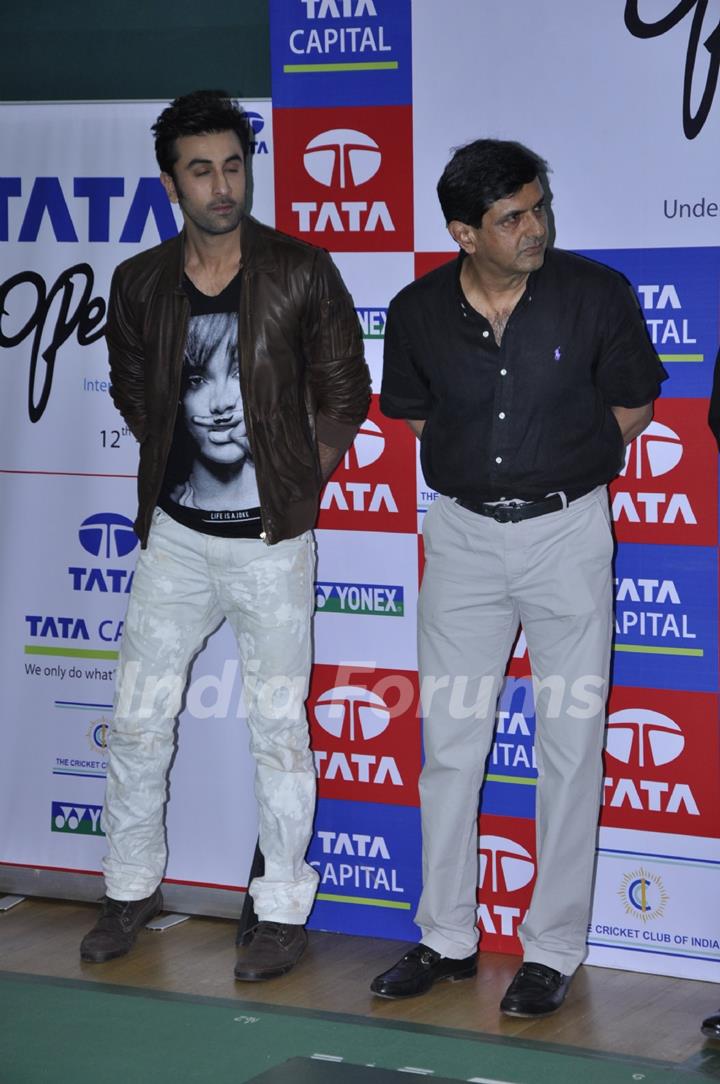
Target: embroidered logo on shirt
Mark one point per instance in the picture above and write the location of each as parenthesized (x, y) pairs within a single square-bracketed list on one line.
[(558, 353)]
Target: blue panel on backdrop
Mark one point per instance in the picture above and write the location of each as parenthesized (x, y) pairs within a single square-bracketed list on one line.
[(679, 290), (340, 52), (369, 860), (509, 788), (666, 617)]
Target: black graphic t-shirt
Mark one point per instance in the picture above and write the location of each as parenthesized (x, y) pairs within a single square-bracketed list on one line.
[(210, 482)]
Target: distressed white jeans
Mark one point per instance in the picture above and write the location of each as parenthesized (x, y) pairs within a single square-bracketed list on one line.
[(185, 584)]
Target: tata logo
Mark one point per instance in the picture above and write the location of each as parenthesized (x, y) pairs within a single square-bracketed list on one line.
[(107, 534), (342, 157), (504, 867), (644, 737), (353, 844), (646, 740), (368, 446), (352, 712), (79, 820), (48, 200), (654, 453), (339, 9), (355, 715), (366, 449), (256, 123)]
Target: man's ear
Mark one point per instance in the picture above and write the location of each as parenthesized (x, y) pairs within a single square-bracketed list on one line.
[(169, 185), (463, 235)]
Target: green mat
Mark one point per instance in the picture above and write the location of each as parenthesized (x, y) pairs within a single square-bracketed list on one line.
[(85, 1033)]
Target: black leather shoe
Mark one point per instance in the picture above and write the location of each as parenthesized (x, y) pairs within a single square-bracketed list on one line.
[(270, 950), (711, 1026), (418, 969), (115, 931), (536, 990)]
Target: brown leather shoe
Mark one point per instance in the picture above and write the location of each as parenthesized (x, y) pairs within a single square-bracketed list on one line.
[(115, 931), (271, 949)]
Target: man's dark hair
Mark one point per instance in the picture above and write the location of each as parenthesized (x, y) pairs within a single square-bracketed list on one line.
[(482, 172), (198, 113)]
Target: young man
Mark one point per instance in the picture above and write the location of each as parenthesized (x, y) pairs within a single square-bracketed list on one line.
[(525, 372), (236, 361)]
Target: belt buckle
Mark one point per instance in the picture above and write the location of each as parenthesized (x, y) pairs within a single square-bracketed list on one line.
[(507, 513)]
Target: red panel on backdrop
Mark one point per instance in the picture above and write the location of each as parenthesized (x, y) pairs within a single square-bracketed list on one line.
[(506, 876), (662, 762), (365, 729), (428, 261), (668, 492), (343, 179), (373, 488)]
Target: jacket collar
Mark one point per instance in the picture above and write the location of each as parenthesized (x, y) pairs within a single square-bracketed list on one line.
[(256, 256)]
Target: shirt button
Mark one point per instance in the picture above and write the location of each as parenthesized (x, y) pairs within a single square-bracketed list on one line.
[(498, 459), (503, 372), (502, 415), (486, 334)]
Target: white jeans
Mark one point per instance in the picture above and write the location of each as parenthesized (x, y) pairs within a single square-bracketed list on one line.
[(553, 573), (185, 584)]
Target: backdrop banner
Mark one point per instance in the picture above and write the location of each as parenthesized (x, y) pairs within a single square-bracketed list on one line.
[(79, 192), (369, 99)]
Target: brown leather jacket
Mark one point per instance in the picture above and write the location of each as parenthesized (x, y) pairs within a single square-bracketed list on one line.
[(302, 374)]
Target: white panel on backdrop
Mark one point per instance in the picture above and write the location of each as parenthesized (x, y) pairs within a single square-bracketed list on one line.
[(604, 108), (373, 278), (366, 598), (656, 904), (66, 570), (79, 183), (80, 189)]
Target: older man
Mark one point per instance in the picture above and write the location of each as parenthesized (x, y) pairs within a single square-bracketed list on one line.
[(524, 371)]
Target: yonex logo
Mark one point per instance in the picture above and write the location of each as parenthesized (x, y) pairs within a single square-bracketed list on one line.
[(81, 820), (504, 866), (644, 737), (107, 534), (655, 452), (352, 712), (368, 446), (382, 600), (342, 157)]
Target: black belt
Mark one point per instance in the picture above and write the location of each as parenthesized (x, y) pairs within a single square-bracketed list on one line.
[(513, 513)]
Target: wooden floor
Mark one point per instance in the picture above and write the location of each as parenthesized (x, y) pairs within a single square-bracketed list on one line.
[(619, 1011)]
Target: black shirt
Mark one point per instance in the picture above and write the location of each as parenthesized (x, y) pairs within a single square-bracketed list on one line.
[(210, 482), (531, 416)]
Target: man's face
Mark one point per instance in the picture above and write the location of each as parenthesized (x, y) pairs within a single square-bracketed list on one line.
[(512, 237), (208, 181)]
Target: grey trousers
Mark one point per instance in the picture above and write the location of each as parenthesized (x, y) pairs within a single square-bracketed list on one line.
[(552, 573)]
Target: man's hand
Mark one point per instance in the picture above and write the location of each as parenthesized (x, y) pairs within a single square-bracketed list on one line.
[(633, 420), (329, 459)]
